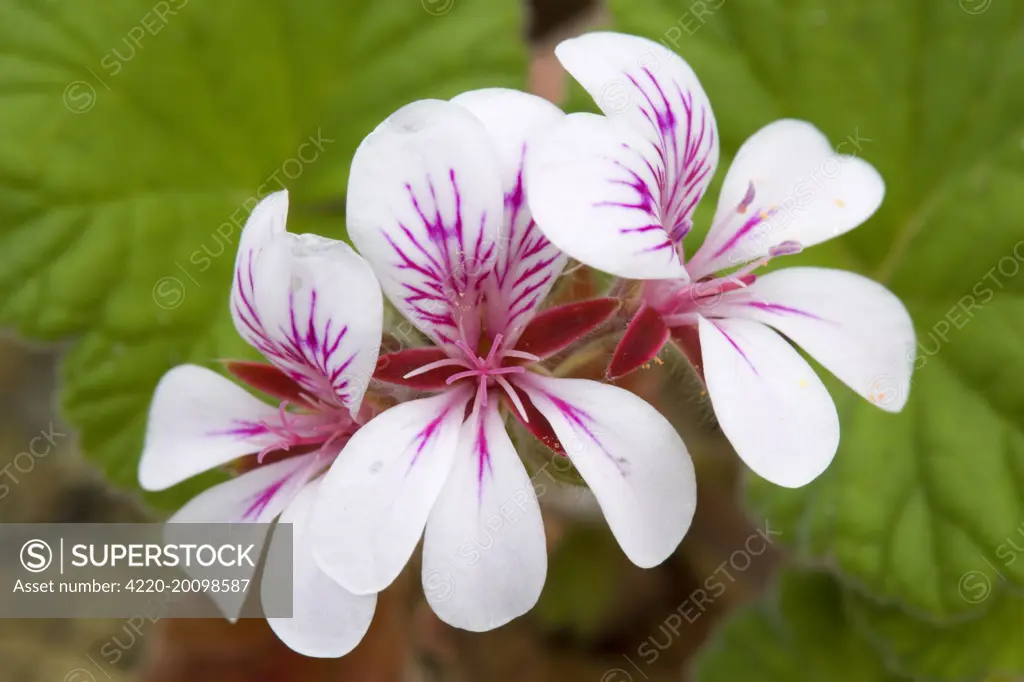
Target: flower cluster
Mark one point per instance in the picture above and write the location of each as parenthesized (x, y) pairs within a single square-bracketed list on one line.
[(464, 214)]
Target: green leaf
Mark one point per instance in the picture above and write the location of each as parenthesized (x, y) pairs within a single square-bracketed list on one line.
[(137, 136), (814, 629), (988, 645), (931, 93), (582, 575), (799, 634)]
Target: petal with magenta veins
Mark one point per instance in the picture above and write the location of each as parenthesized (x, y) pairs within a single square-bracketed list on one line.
[(484, 554), (376, 497), (257, 496), (311, 305), (787, 185), (527, 264), (199, 420), (513, 120), (595, 189), (652, 89), (327, 621), (405, 368), (425, 208), (768, 401), (631, 458), (644, 337), (856, 328), (618, 192), (556, 329)]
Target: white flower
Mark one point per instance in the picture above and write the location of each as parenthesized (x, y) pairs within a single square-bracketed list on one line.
[(435, 203), (618, 192), (313, 308)]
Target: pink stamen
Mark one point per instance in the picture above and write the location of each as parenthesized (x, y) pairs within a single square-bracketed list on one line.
[(678, 305), (464, 347), (333, 437), (494, 349), (514, 397), (283, 411), (304, 428), (481, 394), (484, 369), (784, 249), (270, 448), (484, 372), (430, 366), (522, 354), (462, 375)]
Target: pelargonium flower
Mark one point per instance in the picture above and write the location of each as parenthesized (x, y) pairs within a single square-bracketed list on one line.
[(313, 308), (618, 193), (436, 205)]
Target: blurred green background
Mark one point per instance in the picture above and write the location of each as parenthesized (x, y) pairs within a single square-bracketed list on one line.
[(134, 136)]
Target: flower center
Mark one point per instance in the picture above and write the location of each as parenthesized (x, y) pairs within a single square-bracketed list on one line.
[(487, 370), (301, 432), (681, 304)]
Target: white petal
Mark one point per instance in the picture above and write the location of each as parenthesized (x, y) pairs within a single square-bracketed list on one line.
[(852, 325), (311, 305), (631, 458), (642, 83), (770, 404), (198, 420), (512, 119), (527, 265), (787, 184), (376, 497), (618, 193), (594, 192), (256, 496), (327, 621), (425, 207), (267, 222), (484, 555)]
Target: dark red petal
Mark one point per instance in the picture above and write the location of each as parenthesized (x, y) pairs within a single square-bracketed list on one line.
[(644, 337), (556, 328), (247, 463), (538, 425), (687, 340), (393, 367), (267, 378)]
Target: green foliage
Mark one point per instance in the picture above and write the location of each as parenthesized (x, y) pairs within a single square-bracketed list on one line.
[(811, 628), (800, 634), (582, 575), (137, 136), (992, 643), (915, 506), (933, 95)]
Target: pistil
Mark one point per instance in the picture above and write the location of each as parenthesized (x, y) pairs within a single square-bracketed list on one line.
[(484, 370)]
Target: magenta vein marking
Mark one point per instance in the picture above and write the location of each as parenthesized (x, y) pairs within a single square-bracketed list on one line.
[(427, 434), (483, 454), (583, 421), (777, 308), (736, 346), (263, 498)]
